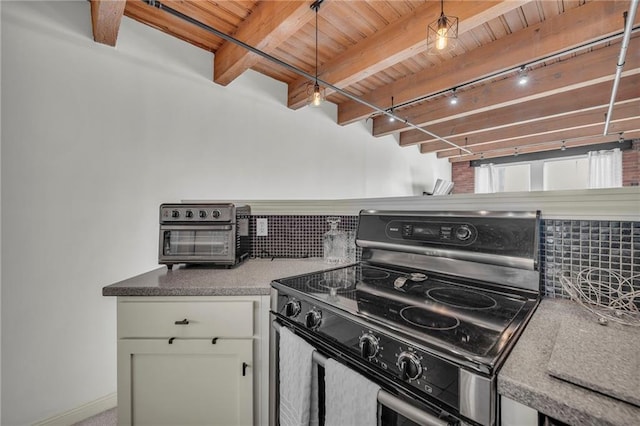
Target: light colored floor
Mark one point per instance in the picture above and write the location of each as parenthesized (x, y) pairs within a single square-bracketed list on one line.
[(106, 418)]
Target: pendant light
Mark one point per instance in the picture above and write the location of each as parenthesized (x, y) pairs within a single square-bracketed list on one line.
[(442, 33), (315, 92)]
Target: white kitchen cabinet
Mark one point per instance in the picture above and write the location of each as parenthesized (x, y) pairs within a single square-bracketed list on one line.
[(170, 371)]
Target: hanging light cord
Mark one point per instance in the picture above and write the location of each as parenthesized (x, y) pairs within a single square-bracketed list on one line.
[(296, 70), (315, 6)]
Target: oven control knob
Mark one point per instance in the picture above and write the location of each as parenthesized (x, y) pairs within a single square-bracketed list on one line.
[(292, 309), (463, 233), (369, 346), (313, 319), (215, 214), (202, 214), (409, 365), (175, 213), (188, 214)]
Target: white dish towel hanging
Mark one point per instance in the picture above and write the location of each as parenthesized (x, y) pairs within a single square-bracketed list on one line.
[(350, 398), (296, 379)]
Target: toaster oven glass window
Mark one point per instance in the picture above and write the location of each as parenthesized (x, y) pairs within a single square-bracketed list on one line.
[(196, 243)]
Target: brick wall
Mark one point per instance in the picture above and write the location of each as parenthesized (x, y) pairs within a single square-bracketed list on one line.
[(463, 177), (631, 165)]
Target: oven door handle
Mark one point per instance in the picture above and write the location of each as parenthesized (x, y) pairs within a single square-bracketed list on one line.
[(388, 400)]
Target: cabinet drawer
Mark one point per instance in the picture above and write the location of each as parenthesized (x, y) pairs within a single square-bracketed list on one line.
[(203, 319)]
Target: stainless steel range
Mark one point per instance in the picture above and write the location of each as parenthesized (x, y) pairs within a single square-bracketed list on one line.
[(430, 312)]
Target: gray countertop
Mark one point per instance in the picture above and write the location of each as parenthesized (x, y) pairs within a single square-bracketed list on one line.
[(250, 278), (525, 377)]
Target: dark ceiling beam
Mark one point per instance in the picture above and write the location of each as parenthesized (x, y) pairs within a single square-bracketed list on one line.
[(548, 146), (397, 42), (573, 28), (106, 16), (580, 71), (561, 104), (271, 23)]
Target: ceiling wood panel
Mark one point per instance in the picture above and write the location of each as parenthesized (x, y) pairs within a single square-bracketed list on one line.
[(376, 49)]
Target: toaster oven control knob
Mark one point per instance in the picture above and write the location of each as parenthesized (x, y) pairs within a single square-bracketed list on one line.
[(292, 309), (188, 214), (463, 233), (175, 213), (409, 365), (202, 214), (313, 319), (369, 346), (215, 214)]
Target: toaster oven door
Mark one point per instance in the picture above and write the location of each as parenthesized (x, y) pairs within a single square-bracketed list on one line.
[(198, 244)]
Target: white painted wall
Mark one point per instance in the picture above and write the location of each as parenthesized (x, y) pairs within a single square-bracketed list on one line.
[(94, 139)]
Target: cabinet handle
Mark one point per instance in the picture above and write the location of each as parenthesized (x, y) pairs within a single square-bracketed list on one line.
[(214, 340), (171, 340), (183, 322), (244, 368)]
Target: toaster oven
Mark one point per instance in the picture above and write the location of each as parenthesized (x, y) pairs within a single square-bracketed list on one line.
[(206, 234)]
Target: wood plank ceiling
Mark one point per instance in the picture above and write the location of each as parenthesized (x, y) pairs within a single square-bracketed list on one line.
[(376, 50)]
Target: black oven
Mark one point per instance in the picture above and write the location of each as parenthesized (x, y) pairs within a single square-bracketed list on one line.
[(429, 314)]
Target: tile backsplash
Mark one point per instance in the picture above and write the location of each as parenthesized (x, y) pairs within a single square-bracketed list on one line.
[(566, 246), (294, 236)]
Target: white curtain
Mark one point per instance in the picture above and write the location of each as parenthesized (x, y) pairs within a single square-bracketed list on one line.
[(605, 169), (489, 179)]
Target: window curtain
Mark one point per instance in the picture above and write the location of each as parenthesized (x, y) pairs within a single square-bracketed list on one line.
[(489, 179), (605, 169)]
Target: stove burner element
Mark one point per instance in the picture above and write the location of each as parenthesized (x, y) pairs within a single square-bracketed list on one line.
[(462, 298), (374, 274), (428, 319)]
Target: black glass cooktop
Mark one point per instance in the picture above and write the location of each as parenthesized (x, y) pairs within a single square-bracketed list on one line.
[(432, 308)]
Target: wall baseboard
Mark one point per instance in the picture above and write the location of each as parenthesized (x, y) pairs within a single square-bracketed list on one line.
[(82, 412)]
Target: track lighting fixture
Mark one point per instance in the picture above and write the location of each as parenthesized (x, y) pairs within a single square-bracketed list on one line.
[(442, 33), (620, 138), (316, 94), (454, 97), (391, 117), (515, 152), (523, 77), (563, 147)]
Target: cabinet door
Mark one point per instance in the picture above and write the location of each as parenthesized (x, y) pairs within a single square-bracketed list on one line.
[(188, 382)]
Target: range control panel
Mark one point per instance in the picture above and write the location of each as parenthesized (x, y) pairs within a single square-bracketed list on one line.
[(453, 233)]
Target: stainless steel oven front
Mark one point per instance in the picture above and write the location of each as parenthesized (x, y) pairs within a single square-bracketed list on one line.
[(216, 234), (397, 404)]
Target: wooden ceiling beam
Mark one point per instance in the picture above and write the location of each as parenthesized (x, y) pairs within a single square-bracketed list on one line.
[(572, 28), (106, 16), (397, 42), (592, 129), (561, 104), (541, 129), (271, 23), (580, 71), (550, 146), (171, 25)]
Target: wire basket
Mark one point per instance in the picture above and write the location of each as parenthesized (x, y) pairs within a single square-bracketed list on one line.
[(605, 293)]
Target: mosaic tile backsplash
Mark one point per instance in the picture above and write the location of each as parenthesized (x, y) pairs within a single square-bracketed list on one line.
[(566, 246), (294, 236)]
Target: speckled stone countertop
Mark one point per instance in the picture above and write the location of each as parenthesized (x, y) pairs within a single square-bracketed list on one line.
[(525, 377), (251, 278)]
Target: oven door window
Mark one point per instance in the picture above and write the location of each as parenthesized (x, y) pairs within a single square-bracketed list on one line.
[(204, 243)]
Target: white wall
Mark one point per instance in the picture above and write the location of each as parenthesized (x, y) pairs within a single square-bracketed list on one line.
[(94, 139)]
